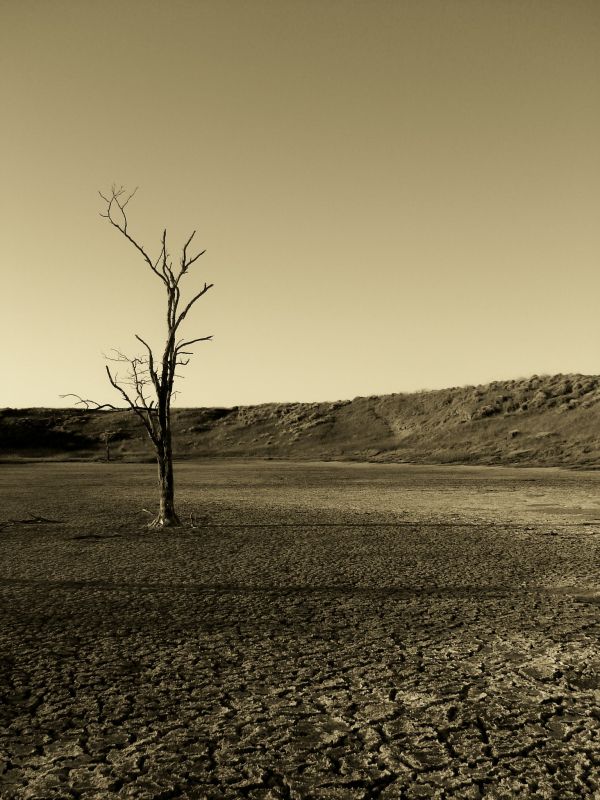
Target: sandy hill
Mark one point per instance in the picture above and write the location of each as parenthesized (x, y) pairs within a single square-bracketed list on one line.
[(549, 420)]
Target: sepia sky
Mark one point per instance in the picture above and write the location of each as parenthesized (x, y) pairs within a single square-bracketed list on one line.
[(393, 195)]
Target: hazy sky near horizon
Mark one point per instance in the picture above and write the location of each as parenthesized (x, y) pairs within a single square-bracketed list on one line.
[(393, 195)]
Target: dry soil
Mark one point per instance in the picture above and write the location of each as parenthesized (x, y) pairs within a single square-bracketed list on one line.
[(315, 631)]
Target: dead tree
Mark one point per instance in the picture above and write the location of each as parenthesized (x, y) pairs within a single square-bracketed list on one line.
[(107, 438), (147, 386)]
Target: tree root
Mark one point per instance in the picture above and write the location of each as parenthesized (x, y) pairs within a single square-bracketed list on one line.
[(161, 522), (196, 521)]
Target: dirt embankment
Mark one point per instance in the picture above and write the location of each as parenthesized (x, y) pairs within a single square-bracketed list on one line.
[(549, 420)]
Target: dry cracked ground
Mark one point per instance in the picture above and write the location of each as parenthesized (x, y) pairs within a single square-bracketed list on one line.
[(315, 631)]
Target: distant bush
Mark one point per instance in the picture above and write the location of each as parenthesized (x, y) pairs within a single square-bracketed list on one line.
[(488, 410)]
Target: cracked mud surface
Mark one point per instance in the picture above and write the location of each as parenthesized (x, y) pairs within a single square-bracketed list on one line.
[(325, 631)]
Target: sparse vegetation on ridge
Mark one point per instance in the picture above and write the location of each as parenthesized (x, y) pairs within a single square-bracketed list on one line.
[(542, 421)]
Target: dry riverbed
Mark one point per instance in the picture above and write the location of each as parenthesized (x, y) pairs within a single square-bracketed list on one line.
[(315, 631)]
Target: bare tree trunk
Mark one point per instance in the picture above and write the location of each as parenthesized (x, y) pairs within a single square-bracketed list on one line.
[(106, 436), (167, 516)]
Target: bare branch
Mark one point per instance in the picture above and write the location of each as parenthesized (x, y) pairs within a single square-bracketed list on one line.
[(185, 262), (187, 244), (119, 389), (151, 369), (119, 357), (129, 198), (194, 299), (190, 342), (90, 403), (160, 255), (146, 419), (194, 259), (166, 272), (122, 226)]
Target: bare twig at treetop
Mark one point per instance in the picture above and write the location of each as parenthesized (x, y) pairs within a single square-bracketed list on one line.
[(147, 388)]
